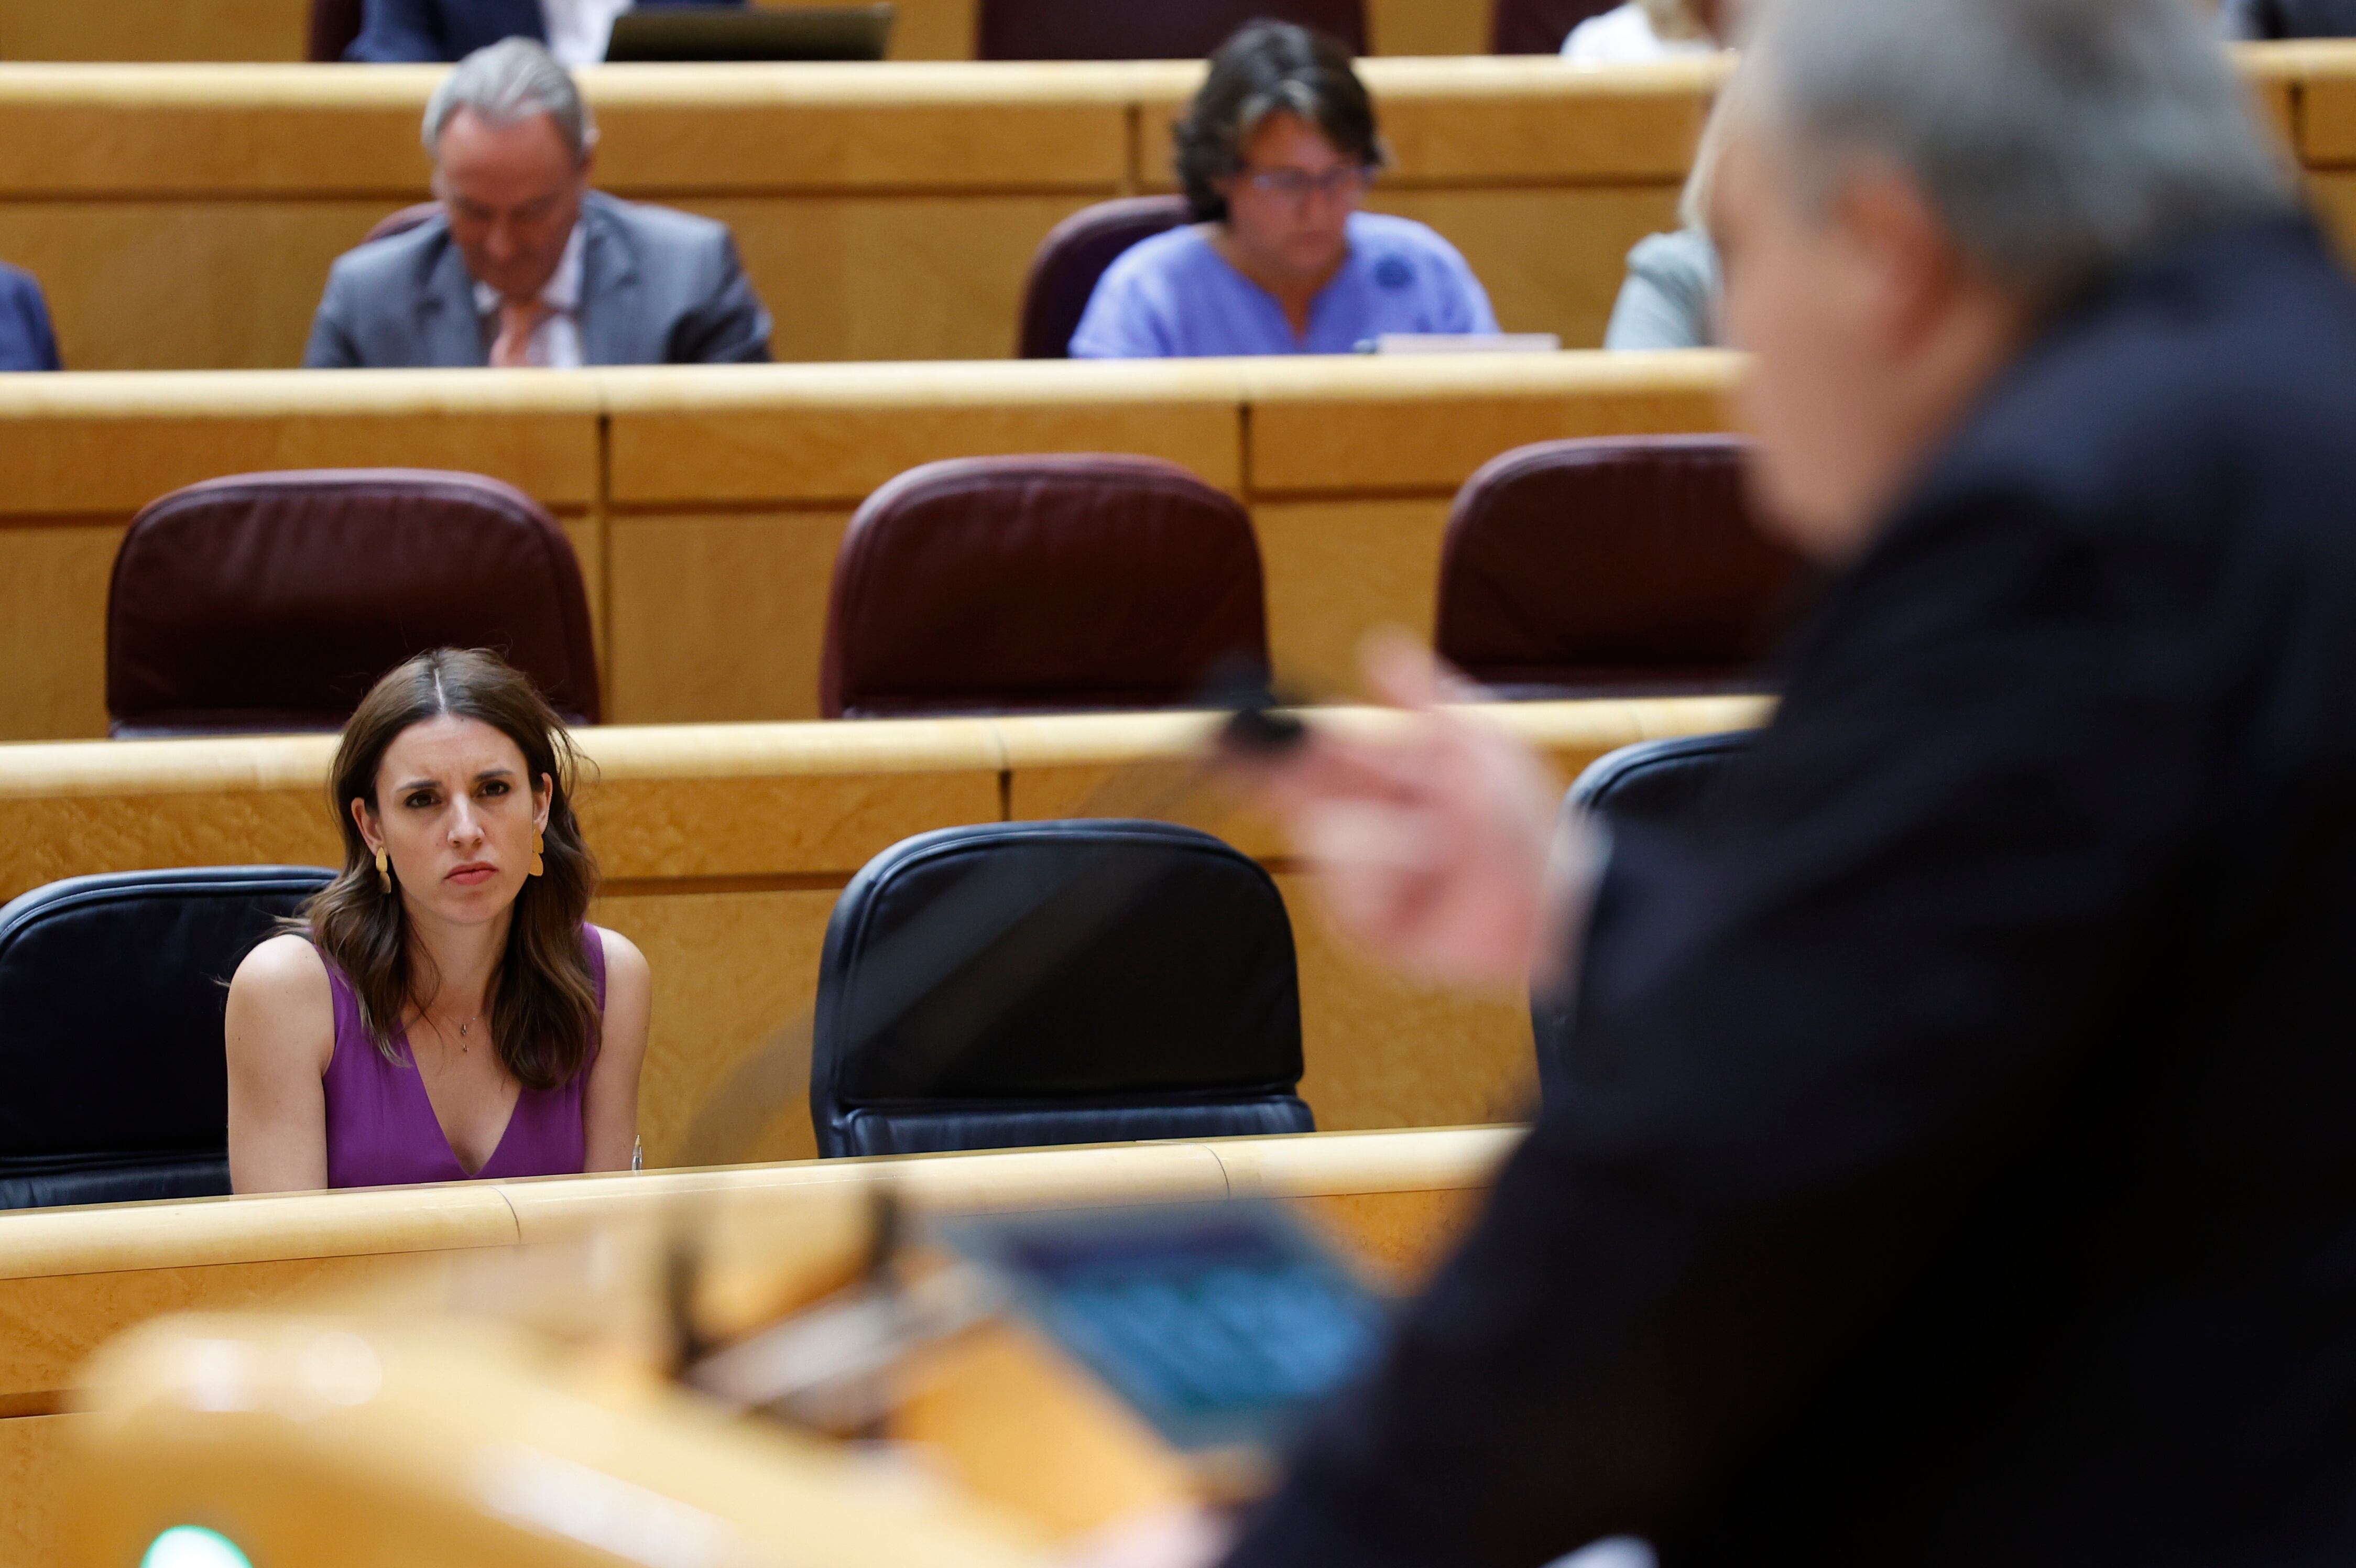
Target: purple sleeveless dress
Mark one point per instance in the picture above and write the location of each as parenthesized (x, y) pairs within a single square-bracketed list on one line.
[(381, 1131)]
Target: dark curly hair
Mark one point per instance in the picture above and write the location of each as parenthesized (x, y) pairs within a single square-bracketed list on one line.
[(1271, 68)]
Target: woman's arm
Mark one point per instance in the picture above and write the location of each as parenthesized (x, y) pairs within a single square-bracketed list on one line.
[(610, 1110), (281, 1033)]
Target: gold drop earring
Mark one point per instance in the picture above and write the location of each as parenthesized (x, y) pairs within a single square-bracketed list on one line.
[(384, 871), (537, 845)]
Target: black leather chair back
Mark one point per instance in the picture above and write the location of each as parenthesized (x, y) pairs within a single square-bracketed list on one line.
[(1653, 780), (1651, 784), (1024, 984), (111, 995)]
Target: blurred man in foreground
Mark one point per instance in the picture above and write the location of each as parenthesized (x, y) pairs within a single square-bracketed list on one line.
[(1954, 1160), (525, 264)]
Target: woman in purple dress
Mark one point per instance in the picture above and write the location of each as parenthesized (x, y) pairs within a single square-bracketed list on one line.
[(446, 1011)]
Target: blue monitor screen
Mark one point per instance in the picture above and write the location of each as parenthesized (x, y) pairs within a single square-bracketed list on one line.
[(1220, 1323)]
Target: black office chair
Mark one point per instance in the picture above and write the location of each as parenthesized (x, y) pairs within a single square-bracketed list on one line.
[(1024, 983), (1653, 780), (111, 992), (1650, 784)]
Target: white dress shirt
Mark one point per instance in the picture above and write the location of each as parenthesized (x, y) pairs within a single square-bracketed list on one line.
[(578, 31), (1624, 36), (556, 341)]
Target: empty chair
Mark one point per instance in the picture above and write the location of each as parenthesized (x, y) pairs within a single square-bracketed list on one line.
[(1654, 781), (273, 601), (1074, 256), (1620, 566), (1024, 983), (1007, 584), (1650, 785), (1538, 27), (112, 991), (1146, 29), (334, 24), (416, 215)]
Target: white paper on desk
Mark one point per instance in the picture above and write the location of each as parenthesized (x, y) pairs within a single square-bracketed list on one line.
[(1462, 343)]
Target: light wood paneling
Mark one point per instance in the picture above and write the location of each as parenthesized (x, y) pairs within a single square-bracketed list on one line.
[(107, 446), (243, 275), (1552, 260), (728, 968), (1383, 1053), (1428, 27), (892, 276), (1322, 428), (32, 1471), (53, 582), (1336, 570), (153, 29), (756, 580), (688, 437)]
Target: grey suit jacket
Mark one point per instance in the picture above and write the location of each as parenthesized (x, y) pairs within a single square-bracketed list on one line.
[(657, 288)]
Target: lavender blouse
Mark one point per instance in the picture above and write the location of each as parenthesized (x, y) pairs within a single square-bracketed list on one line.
[(381, 1131)]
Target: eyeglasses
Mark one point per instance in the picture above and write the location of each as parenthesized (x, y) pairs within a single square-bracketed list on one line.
[(1298, 185)]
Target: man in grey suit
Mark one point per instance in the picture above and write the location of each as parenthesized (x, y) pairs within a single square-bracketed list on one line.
[(525, 264)]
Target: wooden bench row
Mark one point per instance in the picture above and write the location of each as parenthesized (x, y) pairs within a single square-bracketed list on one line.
[(183, 216), (724, 848), (72, 1279), (707, 503)]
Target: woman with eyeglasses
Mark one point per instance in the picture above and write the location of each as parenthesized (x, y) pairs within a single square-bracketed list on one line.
[(1275, 155)]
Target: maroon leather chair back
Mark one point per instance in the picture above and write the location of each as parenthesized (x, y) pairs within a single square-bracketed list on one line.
[(1146, 29), (410, 217), (1538, 27), (1074, 256), (333, 25), (273, 601), (1611, 565), (1010, 585)]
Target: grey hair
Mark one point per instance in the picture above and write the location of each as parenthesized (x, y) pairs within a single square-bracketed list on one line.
[(2058, 140), (506, 82)]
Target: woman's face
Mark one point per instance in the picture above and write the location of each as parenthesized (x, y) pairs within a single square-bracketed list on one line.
[(457, 811), (1289, 207)]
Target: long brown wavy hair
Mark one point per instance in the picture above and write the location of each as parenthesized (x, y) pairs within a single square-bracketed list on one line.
[(545, 1021)]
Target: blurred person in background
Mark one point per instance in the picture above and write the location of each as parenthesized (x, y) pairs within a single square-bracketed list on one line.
[(1948, 1159), (2287, 18), (1644, 30), (28, 341), (1275, 155), (525, 264), (575, 31), (1670, 299)]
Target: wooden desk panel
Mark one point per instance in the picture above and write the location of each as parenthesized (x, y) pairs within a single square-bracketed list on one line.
[(1329, 429), (829, 436)]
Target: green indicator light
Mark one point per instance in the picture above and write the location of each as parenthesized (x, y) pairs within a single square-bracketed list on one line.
[(193, 1546)]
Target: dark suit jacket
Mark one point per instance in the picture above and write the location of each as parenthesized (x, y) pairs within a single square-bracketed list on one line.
[(27, 341), (399, 30), (2291, 18), (656, 287), (1955, 1159)]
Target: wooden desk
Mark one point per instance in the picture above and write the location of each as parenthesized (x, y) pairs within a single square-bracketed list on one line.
[(72, 1279), (724, 848), (706, 504)]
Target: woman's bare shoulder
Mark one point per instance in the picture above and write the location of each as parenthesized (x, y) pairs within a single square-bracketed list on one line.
[(622, 955), (283, 972)]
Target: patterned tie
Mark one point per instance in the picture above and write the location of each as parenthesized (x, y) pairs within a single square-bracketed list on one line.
[(519, 319)]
